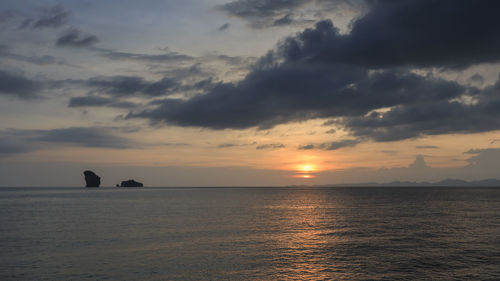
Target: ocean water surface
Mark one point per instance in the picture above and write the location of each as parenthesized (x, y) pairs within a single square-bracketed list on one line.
[(299, 233)]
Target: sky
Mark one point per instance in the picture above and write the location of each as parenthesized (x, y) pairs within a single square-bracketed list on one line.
[(248, 92)]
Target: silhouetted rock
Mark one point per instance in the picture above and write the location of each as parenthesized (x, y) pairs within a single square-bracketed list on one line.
[(131, 183), (91, 179)]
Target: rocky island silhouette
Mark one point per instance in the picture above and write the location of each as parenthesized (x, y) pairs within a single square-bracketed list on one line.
[(131, 183), (93, 180)]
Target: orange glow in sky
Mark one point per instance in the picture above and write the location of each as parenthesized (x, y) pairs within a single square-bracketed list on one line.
[(305, 171), (306, 168)]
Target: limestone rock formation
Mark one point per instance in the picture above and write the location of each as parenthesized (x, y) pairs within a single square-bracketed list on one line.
[(131, 183), (91, 179)]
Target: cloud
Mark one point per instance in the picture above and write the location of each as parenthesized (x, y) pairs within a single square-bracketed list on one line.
[(14, 141), (271, 13), (270, 146), (11, 146), (486, 158), (285, 20), (38, 60), (477, 79), (431, 118), (154, 58), (390, 152), (49, 17), (426, 147), (419, 163), (261, 13), (294, 92), (18, 86), (6, 16), (131, 85), (84, 136), (453, 34), (363, 80), (227, 145), (74, 38), (224, 27), (484, 164), (97, 101), (307, 147), (331, 145)]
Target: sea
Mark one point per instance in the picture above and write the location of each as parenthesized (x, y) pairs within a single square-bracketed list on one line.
[(254, 233)]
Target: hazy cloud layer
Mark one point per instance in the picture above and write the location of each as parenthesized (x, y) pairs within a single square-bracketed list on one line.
[(14, 141), (89, 137)]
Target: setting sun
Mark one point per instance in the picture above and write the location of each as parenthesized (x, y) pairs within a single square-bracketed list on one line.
[(307, 168)]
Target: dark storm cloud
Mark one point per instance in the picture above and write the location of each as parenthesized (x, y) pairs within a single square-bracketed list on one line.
[(431, 118), (293, 92), (446, 33), (320, 73), (224, 27), (18, 86), (51, 17), (74, 38), (97, 101), (270, 146), (331, 145)]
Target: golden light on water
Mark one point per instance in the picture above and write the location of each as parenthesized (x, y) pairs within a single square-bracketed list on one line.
[(304, 176)]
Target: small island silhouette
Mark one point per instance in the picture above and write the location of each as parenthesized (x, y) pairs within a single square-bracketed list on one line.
[(93, 180), (131, 183)]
